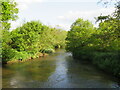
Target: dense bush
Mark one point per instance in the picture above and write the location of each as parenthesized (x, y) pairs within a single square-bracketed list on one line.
[(100, 46), (30, 39), (108, 61)]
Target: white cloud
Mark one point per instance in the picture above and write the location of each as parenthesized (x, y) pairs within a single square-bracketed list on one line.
[(69, 17), (23, 4), (73, 15)]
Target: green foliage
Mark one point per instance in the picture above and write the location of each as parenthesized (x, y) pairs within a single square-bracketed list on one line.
[(8, 12), (48, 51), (26, 38), (6, 41), (79, 35), (31, 39), (109, 35), (21, 55), (98, 45), (52, 38), (108, 61)]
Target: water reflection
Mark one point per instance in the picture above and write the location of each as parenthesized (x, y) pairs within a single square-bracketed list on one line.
[(56, 71), (59, 78), (28, 74), (85, 75)]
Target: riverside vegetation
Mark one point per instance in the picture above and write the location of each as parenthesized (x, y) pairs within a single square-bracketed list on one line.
[(101, 45), (29, 40)]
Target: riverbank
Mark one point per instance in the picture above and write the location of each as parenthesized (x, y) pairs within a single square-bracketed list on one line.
[(24, 60), (23, 56)]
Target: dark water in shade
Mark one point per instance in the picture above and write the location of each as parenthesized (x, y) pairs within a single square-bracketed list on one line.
[(58, 70)]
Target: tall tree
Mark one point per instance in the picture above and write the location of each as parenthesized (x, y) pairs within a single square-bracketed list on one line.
[(8, 12)]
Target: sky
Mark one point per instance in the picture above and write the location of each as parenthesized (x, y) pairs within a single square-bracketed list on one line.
[(60, 12)]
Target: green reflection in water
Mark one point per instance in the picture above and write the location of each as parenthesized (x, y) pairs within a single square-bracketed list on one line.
[(17, 75)]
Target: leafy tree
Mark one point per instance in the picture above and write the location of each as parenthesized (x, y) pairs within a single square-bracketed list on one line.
[(78, 38), (109, 34), (101, 45), (8, 12), (26, 38), (34, 37), (79, 33), (109, 42)]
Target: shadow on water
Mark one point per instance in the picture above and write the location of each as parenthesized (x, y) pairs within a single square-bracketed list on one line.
[(59, 70)]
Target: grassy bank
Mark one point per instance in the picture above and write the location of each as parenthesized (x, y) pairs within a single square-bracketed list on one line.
[(17, 57), (27, 59)]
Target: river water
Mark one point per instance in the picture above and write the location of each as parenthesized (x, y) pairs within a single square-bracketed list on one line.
[(58, 70)]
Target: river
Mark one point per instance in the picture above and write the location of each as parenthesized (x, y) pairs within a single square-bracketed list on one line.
[(58, 70)]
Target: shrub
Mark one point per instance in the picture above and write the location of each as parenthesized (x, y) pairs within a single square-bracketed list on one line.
[(108, 61)]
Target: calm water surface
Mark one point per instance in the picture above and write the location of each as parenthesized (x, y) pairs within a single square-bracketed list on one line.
[(58, 70)]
